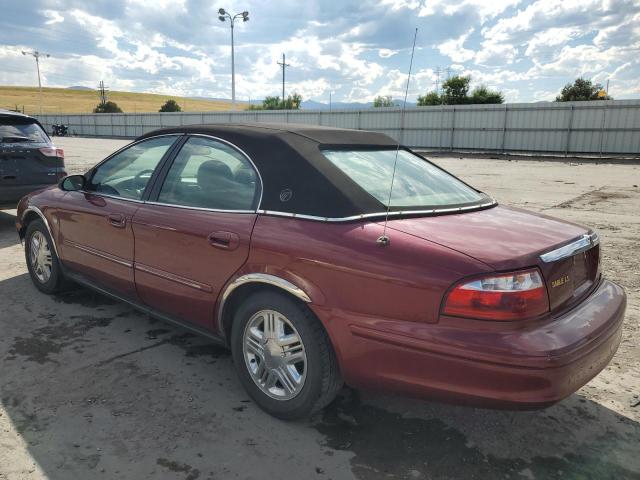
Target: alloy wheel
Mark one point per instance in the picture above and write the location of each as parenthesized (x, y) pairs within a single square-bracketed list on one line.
[(274, 355), (40, 256)]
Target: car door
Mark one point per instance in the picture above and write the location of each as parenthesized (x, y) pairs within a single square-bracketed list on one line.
[(195, 230), (95, 223)]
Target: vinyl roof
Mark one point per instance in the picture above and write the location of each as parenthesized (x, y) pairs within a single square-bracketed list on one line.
[(316, 133), (289, 158)]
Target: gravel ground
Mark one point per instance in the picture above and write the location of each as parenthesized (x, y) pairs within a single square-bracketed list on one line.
[(89, 388)]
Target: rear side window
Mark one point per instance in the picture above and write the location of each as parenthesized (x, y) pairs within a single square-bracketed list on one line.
[(127, 173), (210, 174), (417, 185), (21, 130)]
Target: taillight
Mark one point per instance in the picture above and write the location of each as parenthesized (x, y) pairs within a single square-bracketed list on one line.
[(503, 297), (52, 152)]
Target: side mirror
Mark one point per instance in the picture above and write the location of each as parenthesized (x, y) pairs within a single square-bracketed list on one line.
[(72, 183)]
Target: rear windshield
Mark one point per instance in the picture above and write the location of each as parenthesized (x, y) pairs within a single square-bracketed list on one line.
[(19, 130), (417, 185)]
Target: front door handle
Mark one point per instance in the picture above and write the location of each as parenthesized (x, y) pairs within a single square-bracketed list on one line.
[(118, 221), (224, 240)]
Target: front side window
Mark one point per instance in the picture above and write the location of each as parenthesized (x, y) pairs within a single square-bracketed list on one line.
[(417, 185), (127, 173), (210, 174)]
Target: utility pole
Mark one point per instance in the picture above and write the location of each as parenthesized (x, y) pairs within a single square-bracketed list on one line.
[(284, 65), (448, 70), (437, 72), (103, 93), (37, 56)]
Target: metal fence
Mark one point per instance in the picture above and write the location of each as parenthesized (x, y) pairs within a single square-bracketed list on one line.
[(594, 128)]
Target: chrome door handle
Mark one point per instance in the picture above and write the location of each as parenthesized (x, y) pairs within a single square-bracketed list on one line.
[(118, 221), (224, 240)]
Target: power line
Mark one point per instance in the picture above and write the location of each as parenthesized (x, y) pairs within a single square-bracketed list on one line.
[(102, 92), (448, 70), (284, 65)]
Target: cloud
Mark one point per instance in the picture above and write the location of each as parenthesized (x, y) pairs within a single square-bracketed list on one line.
[(52, 17), (454, 48), (485, 9), (356, 50), (492, 53), (386, 52)]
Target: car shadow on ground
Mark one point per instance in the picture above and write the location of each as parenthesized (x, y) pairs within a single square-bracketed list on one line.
[(8, 234), (92, 387)]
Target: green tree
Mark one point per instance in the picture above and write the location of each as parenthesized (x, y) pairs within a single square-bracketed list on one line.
[(107, 107), (272, 103), (431, 98), (482, 94), (456, 90), (292, 102), (383, 101), (582, 90), (170, 106)]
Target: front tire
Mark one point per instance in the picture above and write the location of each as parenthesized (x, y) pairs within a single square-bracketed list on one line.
[(283, 356), (42, 261)]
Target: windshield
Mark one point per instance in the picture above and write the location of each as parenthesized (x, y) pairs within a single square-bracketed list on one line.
[(418, 184), (19, 130)]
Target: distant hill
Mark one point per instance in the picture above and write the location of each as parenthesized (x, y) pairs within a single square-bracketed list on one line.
[(313, 105), (79, 99)]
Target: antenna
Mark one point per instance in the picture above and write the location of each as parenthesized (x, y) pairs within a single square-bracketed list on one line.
[(383, 240)]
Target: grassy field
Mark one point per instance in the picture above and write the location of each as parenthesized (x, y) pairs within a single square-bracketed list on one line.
[(64, 100)]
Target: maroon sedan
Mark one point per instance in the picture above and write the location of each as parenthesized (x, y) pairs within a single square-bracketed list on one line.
[(271, 239)]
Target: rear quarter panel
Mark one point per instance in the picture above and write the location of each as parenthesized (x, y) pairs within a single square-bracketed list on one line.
[(350, 278)]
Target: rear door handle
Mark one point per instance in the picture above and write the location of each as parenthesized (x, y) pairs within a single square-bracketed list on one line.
[(118, 221), (224, 240)]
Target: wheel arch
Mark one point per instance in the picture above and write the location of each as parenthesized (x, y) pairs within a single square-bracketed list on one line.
[(30, 214), (245, 285)]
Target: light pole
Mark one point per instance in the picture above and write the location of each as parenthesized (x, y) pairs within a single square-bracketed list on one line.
[(37, 56), (223, 15)]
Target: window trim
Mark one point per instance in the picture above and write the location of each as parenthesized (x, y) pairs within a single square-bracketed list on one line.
[(152, 200), (154, 176)]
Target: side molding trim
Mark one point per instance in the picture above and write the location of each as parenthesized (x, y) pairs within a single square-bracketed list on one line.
[(258, 278), (38, 212)]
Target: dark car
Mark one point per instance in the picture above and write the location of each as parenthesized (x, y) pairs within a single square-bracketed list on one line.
[(271, 240), (28, 159)]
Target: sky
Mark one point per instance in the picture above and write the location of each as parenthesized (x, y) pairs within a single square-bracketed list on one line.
[(352, 50)]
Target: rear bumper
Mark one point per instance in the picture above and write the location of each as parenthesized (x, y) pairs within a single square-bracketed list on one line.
[(529, 367), (13, 193)]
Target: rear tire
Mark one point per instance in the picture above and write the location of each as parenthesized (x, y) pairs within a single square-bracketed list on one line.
[(42, 261), (283, 356)]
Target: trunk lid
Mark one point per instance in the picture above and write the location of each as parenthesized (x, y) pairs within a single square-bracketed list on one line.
[(506, 238)]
